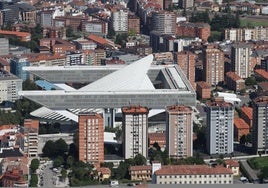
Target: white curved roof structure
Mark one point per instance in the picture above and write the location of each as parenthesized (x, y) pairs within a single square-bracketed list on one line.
[(132, 77)]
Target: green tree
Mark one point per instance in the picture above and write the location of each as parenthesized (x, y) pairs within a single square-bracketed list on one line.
[(34, 165), (63, 174), (263, 173), (61, 147), (250, 81), (140, 160), (49, 149), (34, 180), (58, 161)]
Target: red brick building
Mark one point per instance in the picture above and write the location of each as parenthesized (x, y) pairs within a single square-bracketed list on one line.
[(186, 61), (91, 138), (240, 128), (187, 29), (134, 24), (246, 114), (234, 81), (56, 45), (203, 90)]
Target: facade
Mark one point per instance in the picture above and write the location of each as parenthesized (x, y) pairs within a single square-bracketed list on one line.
[(203, 90), (120, 20), (140, 173), (135, 131), (31, 129), (233, 165), (164, 22), (240, 59), (134, 24), (186, 60), (220, 131), (46, 18), (4, 46), (188, 29), (91, 138), (10, 86), (159, 138), (240, 128), (56, 45), (234, 82), (179, 131), (213, 59), (193, 174), (246, 34), (95, 27), (17, 64), (74, 58), (260, 128)]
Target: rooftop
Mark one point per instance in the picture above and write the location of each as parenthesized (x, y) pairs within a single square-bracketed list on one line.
[(248, 111), (232, 163), (203, 85), (262, 73), (239, 123), (134, 109), (192, 170), (138, 168), (233, 76), (179, 108)]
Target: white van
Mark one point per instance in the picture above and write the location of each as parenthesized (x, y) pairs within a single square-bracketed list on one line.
[(114, 183)]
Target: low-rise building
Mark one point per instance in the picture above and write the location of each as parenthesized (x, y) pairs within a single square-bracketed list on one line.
[(234, 81), (159, 138), (203, 90), (246, 113), (240, 128), (140, 173), (233, 165), (193, 174), (104, 173)]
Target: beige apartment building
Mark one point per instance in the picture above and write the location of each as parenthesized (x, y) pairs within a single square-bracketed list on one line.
[(179, 131)]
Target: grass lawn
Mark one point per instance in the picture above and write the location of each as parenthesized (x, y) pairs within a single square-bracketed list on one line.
[(258, 162), (252, 23)]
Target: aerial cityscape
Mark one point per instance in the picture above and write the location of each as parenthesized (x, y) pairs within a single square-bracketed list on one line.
[(118, 93)]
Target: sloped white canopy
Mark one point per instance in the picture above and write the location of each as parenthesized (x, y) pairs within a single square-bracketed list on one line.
[(131, 77)]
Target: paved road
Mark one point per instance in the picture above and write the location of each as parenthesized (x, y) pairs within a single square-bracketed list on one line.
[(251, 173), (49, 178)]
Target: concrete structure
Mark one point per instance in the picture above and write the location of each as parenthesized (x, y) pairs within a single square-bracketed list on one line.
[(10, 86), (17, 64), (163, 22), (91, 138), (203, 90), (119, 20), (135, 131), (213, 59), (116, 85), (240, 59), (220, 131), (186, 60), (193, 174), (234, 82), (260, 128), (4, 46), (179, 131), (31, 129), (133, 24)]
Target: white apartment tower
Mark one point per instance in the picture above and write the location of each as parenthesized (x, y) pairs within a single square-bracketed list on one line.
[(135, 131), (240, 59), (260, 124), (220, 131), (120, 20), (179, 131)]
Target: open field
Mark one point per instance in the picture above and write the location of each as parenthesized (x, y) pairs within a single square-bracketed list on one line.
[(253, 22)]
